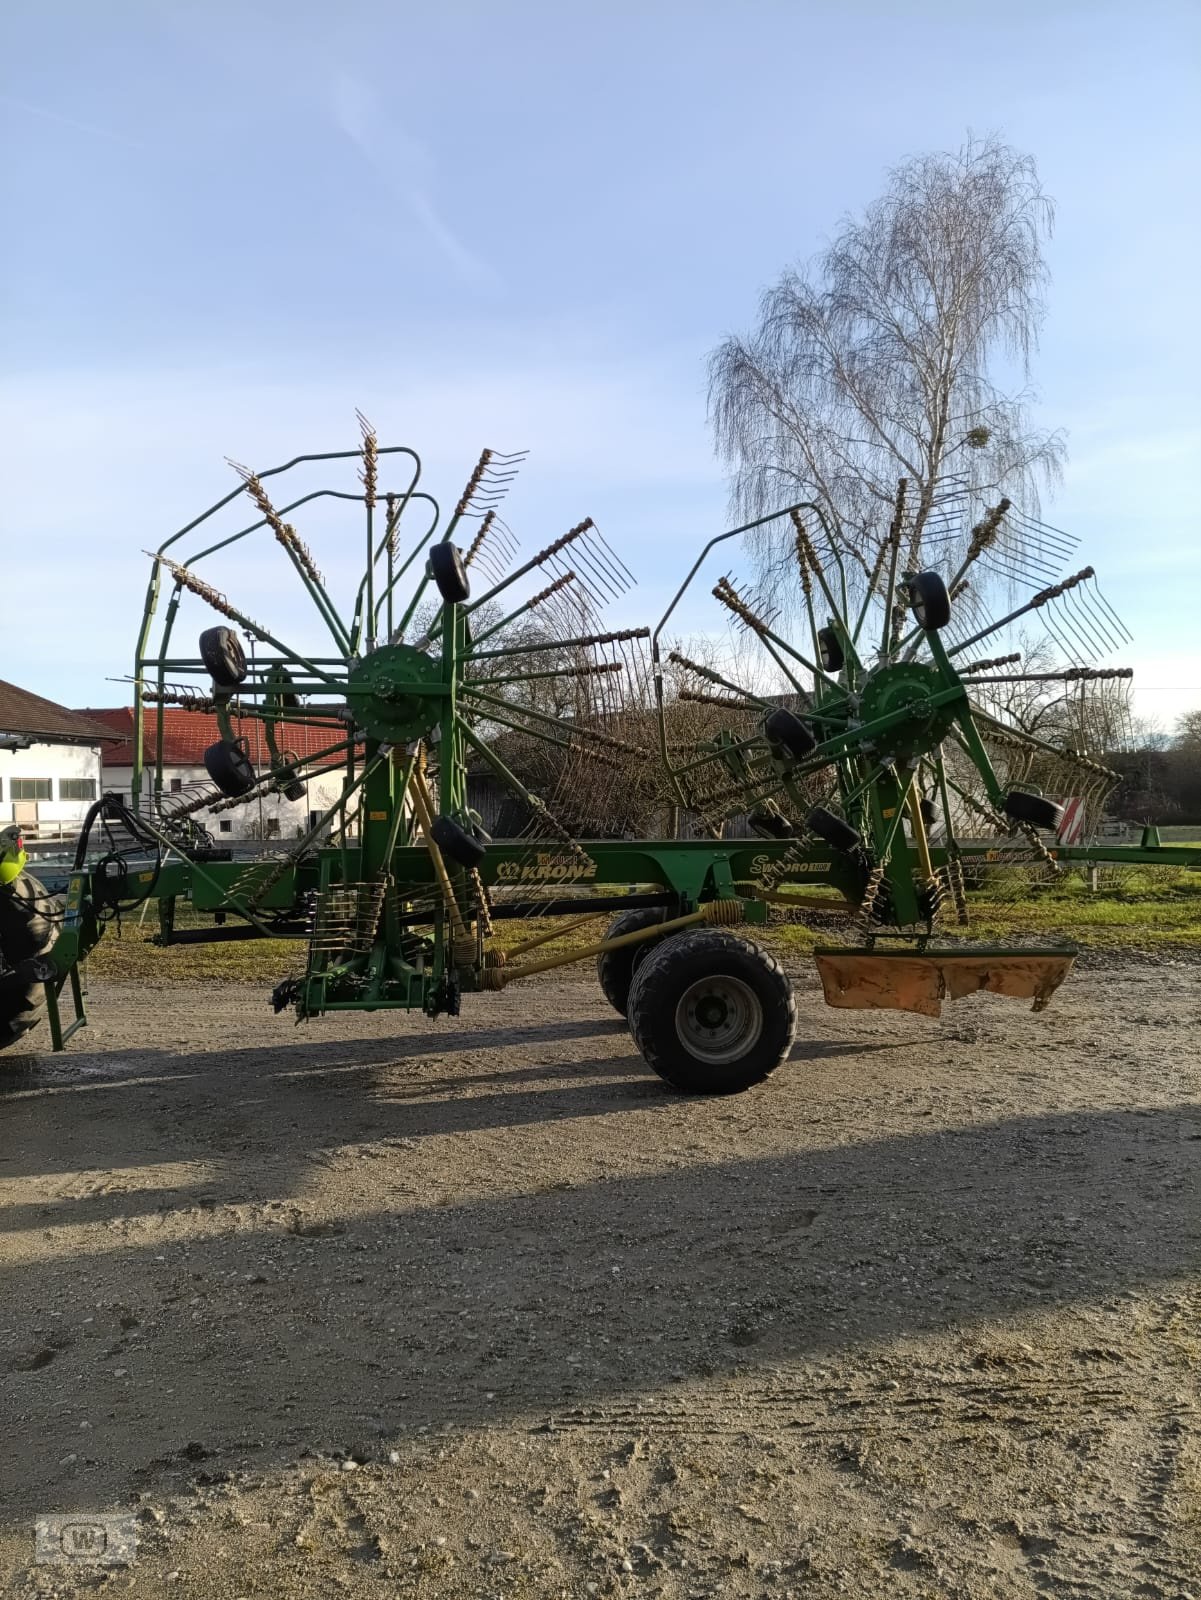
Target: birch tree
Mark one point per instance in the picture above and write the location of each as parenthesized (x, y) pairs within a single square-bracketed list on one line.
[(903, 349)]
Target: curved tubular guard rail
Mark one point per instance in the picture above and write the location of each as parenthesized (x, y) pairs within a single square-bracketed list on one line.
[(720, 538), (325, 607)]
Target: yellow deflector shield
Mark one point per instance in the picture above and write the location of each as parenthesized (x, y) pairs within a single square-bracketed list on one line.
[(906, 981)]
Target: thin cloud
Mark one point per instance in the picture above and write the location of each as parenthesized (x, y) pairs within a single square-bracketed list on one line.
[(92, 129), (404, 165)]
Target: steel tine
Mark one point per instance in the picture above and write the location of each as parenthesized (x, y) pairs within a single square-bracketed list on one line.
[(1011, 575), (1127, 636), (1085, 624), (1093, 622), (1083, 650), (1040, 571), (632, 580), (560, 564), (603, 555), (588, 560)]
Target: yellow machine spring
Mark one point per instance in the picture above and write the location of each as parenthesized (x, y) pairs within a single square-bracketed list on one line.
[(724, 913), (255, 882), (955, 883), (346, 917), (777, 869), (935, 892), (482, 911), (1039, 849), (864, 916)]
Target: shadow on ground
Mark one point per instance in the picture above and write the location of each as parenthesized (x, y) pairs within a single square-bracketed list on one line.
[(249, 1319)]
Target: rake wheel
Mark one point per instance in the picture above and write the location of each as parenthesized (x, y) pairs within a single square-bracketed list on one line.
[(222, 653), (855, 705), (433, 667)]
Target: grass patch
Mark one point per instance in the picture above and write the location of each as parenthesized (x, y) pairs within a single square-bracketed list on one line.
[(126, 955), (1142, 907), (1146, 909), (1105, 923)]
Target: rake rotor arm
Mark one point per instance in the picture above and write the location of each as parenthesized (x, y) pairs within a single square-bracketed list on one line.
[(186, 579), (503, 772), (710, 676), (1031, 742), (772, 641), (534, 562), (816, 567), (386, 543), (588, 670), (560, 583), (421, 544), (1034, 604), (1068, 675), (828, 750), (597, 734), (558, 644)]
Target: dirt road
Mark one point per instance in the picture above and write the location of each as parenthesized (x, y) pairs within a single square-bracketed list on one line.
[(384, 1307)]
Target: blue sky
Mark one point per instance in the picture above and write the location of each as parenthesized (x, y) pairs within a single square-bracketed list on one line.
[(226, 225)]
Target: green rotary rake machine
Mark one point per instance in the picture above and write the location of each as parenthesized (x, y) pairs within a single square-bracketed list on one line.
[(869, 760)]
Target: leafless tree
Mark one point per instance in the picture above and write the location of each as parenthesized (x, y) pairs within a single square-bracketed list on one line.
[(1188, 731), (1091, 716), (888, 355)]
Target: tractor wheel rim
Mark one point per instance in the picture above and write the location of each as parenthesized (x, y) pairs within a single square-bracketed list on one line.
[(719, 1019)]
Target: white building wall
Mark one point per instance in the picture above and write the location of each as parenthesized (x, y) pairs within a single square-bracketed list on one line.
[(252, 820), (56, 762)]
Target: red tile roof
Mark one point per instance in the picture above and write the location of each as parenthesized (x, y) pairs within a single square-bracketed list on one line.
[(25, 713), (188, 734)]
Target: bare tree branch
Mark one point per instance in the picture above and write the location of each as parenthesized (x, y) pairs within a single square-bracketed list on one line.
[(884, 359)]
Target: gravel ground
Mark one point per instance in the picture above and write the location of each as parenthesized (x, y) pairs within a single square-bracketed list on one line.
[(385, 1307)]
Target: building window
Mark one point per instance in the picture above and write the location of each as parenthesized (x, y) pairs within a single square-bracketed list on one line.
[(176, 785), (226, 826), (32, 789), (271, 830), (77, 788)]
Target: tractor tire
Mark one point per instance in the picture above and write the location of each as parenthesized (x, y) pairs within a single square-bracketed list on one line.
[(20, 1006), (1020, 806), (456, 842), (712, 1013), (24, 928), (832, 830), (222, 653), (829, 650), (615, 969), (789, 733), (930, 602), (449, 573), (229, 766), (24, 934)]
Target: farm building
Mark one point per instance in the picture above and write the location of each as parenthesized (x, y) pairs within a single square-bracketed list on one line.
[(50, 763), (186, 736)]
